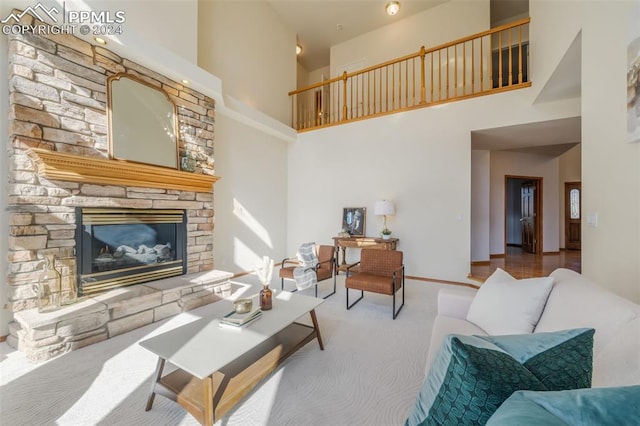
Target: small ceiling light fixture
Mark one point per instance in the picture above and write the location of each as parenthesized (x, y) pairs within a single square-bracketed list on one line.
[(298, 49), (392, 7), (100, 40), (185, 81)]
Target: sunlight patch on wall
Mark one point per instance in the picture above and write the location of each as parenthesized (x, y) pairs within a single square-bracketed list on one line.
[(252, 223), (244, 257)]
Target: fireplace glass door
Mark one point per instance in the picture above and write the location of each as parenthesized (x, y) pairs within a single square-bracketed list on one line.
[(120, 247)]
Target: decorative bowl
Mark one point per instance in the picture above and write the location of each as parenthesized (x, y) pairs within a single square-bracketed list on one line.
[(242, 306)]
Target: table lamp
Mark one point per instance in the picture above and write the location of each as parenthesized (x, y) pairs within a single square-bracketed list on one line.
[(384, 208)]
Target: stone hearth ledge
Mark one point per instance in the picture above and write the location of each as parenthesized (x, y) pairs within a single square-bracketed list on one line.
[(41, 336)]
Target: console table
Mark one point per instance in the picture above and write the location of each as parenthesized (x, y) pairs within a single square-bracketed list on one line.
[(360, 242)]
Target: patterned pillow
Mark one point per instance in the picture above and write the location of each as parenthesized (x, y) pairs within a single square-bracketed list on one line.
[(473, 375)]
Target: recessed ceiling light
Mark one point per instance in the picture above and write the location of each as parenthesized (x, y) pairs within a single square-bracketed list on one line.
[(392, 7), (100, 40), (184, 81), (298, 49)]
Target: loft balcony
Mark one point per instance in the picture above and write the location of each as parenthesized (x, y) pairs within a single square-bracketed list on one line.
[(492, 61)]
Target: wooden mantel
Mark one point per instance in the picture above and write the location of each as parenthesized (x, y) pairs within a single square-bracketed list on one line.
[(54, 165)]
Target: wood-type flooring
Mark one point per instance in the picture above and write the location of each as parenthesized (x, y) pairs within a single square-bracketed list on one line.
[(521, 264)]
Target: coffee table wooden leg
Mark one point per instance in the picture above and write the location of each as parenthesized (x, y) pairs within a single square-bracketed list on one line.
[(209, 406), (317, 328), (155, 379)]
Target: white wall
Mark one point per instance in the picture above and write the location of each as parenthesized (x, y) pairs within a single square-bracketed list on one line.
[(250, 198), (480, 206), (530, 165), (302, 76), (570, 171), (247, 45), (554, 26), (170, 23), (610, 166), (405, 36), (316, 76), (419, 159)]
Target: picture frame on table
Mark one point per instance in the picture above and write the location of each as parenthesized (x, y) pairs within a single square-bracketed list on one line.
[(354, 220)]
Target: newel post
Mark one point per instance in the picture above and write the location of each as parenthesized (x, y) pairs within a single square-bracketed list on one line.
[(344, 95), (423, 90)]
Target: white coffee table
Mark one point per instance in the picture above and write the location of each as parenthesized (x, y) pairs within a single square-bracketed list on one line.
[(218, 366)]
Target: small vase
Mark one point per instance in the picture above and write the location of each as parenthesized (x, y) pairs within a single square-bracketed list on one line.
[(50, 286), (72, 292), (386, 236), (265, 297)]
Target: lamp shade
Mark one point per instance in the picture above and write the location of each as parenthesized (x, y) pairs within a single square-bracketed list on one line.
[(384, 208)]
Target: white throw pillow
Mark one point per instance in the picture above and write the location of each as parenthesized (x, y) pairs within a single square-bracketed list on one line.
[(505, 305)]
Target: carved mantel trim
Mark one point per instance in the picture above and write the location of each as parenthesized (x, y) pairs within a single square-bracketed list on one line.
[(74, 168)]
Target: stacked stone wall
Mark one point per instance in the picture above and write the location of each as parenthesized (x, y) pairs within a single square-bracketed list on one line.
[(58, 101)]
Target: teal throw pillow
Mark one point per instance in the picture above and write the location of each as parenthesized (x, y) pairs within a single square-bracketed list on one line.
[(473, 375), (577, 407)]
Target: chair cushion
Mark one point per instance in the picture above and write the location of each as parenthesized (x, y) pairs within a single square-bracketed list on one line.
[(372, 282), (473, 375), (505, 305)]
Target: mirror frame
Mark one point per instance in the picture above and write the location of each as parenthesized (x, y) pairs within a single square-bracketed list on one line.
[(111, 133)]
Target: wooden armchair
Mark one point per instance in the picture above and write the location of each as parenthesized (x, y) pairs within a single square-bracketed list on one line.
[(325, 268), (379, 271)]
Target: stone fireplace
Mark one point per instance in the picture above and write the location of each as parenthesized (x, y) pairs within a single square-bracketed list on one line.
[(62, 184)]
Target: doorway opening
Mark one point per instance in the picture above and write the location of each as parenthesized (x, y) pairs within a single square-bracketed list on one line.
[(523, 214)]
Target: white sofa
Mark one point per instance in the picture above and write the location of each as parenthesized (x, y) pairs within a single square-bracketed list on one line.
[(574, 302)]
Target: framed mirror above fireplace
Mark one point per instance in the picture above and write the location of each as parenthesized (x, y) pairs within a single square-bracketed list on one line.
[(122, 247), (142, 122)]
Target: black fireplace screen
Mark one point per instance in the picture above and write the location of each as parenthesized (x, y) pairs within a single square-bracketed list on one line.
[(120, 247)]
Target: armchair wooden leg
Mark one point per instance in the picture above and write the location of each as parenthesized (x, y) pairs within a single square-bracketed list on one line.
[(359, 299)]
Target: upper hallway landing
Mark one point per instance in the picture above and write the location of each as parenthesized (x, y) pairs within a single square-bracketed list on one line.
[(492, 61)]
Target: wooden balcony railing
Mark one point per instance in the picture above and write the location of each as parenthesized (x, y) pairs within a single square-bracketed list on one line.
[(492, 61)]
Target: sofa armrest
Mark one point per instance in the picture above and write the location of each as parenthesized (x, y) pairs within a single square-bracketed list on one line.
[(455, 302)]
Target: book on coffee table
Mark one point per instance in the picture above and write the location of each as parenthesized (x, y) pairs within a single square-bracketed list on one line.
[(235, 319)]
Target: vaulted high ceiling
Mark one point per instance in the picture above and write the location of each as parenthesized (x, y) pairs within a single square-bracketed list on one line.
[(316, 22)]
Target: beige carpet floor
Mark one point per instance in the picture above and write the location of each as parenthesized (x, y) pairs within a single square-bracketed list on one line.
[(369, 373)]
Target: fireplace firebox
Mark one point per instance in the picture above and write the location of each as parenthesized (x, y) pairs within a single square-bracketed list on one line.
[(122, 247)]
